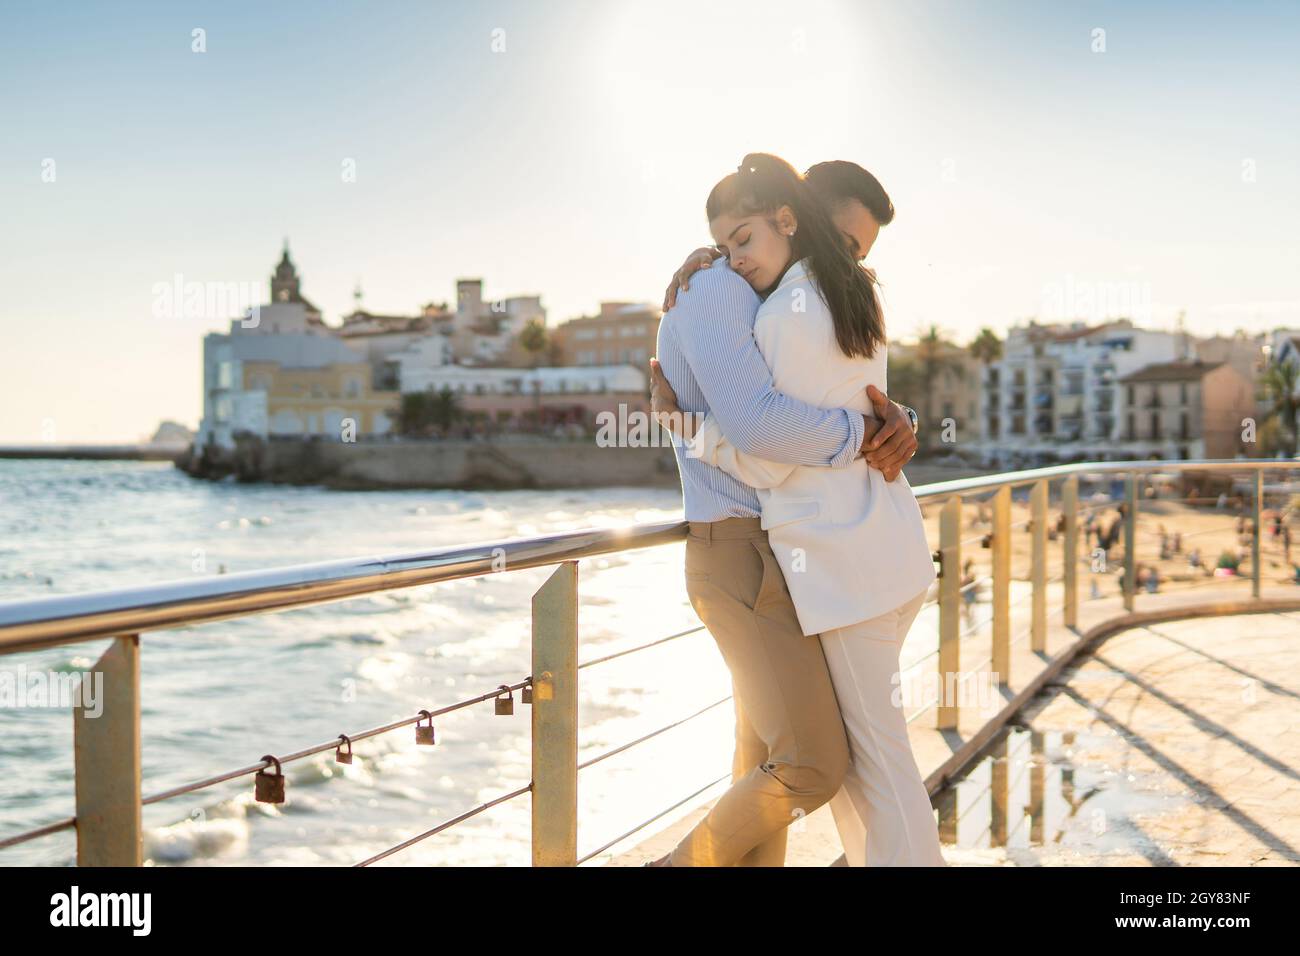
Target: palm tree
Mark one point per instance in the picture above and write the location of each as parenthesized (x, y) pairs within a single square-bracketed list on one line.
[(1277, 387), (987, 347), (934, 354)]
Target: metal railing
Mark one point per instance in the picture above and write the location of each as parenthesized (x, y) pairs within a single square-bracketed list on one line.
[(107, 749)]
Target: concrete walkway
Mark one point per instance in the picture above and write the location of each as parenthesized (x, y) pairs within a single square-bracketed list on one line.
[(1175, 744), (1167, 744)]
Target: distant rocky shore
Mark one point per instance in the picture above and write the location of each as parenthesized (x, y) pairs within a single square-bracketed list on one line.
[(511, 463), (142, 452)]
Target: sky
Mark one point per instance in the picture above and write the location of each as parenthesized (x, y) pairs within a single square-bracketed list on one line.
[(1057, 161)]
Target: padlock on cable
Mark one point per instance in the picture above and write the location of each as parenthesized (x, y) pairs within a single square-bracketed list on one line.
[(526, 695), (505, 706), (339, 755), (268, 787), (425, 735)]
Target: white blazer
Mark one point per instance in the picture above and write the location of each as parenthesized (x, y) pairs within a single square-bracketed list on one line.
[(851, 544)]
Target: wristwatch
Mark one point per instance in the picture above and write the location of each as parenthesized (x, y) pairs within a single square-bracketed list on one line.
[(911, 417)]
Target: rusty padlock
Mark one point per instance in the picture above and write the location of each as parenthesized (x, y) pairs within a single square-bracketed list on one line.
[(505, 705), (339, 755), (268, 787), (424, 735), (526, 695)]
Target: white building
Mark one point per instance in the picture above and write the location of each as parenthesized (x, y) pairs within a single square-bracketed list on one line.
[(237, 399), (547, 380), (487, 333), (382, 337), (1052, 396), (415, 364)]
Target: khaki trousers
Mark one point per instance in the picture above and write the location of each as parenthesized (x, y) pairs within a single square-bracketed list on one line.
[(791, 749)]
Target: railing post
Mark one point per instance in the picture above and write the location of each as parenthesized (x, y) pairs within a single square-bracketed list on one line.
[(555, 719), (1130, 542), (1002, 585), (949, 611), (1038, 567), (1070, 547), (1255, 561), (1038, 787), (106, 758)]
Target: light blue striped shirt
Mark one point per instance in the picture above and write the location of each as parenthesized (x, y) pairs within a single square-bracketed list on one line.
[(708, 353)]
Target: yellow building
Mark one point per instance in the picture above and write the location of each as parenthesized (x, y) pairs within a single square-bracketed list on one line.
[(320, 401), (623, 334), (280, 377)]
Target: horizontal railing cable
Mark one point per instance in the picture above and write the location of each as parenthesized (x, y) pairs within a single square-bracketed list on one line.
[(265, 764), (446, 824), (657, 816), (46, 830), (650, 736), (640, 647)]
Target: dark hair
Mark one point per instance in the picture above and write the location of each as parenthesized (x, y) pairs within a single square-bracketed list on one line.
[(761, 185), (840, 180)]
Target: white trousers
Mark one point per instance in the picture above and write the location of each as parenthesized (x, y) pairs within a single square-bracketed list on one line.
[(882, 810)]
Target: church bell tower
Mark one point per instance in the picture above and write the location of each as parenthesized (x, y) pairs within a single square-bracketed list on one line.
[(284, 283)]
